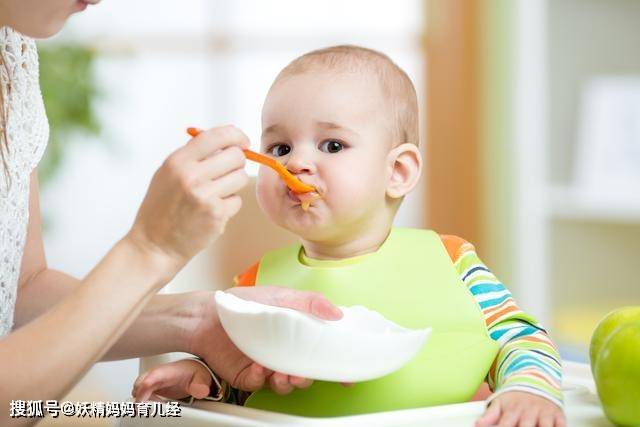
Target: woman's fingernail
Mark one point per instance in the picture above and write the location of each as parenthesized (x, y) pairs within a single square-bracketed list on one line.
[(325, 310)]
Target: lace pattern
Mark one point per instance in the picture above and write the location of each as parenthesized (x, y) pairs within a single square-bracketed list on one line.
[(27, 132)]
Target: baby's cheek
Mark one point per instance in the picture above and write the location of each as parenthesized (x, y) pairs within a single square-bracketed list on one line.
[(354, 193), (266, 194)]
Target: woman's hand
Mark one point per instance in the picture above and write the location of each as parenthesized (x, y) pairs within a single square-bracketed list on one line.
[(211, 342), (192, 196)]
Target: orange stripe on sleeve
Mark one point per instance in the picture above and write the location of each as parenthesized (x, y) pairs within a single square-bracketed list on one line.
[(500, 313), (453, 245)]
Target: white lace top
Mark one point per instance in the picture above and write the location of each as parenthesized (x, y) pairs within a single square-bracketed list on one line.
[(27, 133)]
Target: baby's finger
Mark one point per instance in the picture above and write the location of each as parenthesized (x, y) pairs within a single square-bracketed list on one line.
[(547, 420), (561, 420), (154, 381), (490, 416), (300, 382), (142, 388), (199, 385), (136, 384), (509, 418), (347, 385), (280, 383), (198, 390), (139, 379), (144, 394), (155, 398), (529, 418)]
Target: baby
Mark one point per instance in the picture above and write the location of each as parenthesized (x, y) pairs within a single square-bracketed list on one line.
[(345, 120)]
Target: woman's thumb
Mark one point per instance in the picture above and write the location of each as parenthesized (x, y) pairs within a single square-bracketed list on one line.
[(199, 385)]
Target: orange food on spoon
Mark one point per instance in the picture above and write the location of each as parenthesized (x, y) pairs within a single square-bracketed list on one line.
[(290, 181), (306, 199)]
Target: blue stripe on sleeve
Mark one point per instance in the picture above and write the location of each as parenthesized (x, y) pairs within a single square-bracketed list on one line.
[(495, 301)]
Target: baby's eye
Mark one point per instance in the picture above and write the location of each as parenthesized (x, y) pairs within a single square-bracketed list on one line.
[(279, 150), (331, 146)]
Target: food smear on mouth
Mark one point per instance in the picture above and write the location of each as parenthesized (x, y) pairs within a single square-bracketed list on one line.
[(306, 199)]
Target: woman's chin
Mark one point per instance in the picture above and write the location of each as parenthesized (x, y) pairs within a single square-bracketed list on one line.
[(49, 29)]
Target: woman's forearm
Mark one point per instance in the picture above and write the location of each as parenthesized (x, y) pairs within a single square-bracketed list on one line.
[(161, 327), (45, 357), (164, 326), (41, 292)]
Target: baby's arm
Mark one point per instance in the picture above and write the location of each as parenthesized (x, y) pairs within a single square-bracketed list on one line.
[(527, 369), (177, 380)]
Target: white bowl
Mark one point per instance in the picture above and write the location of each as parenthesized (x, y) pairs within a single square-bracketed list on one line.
[(361, 346)]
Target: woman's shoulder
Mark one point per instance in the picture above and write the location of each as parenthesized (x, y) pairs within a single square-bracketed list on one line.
[(19, 53), (27, 125)]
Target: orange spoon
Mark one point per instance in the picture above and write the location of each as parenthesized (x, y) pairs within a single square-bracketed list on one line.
[(290, 181)]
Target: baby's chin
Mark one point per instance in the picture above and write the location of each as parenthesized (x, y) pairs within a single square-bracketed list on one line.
[(312, 224)]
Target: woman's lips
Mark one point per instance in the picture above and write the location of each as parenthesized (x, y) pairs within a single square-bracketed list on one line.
[(82, 4)]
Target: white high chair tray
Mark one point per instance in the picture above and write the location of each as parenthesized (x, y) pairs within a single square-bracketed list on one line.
[(582, 408)]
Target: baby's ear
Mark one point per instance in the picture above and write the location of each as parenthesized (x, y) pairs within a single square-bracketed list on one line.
[(405, 163)]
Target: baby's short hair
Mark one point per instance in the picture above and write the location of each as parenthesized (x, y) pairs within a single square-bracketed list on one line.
[(395, 83)]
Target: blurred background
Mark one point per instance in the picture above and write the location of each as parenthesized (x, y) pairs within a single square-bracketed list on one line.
[(530, 126)]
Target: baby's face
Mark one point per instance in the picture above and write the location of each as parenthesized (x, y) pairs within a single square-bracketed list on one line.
[(333, 131)]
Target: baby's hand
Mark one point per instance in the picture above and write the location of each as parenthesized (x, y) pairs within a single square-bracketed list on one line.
[(175, 380), (522, 409)]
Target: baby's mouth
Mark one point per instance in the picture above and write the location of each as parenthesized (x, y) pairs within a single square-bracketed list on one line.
[(305, 199)]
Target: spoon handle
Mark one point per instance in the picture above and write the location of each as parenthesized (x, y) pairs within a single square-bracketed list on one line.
[(291, 181)]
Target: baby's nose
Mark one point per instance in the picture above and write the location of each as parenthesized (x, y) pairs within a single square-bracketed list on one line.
[(300, 163)]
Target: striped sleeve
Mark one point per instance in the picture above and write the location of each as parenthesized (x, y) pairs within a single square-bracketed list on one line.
[(527, 360)]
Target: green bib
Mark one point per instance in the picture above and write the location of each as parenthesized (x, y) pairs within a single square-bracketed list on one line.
[(410, 280)]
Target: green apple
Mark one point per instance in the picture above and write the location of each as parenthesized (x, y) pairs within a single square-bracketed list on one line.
[(611, 321), (617, 375)]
